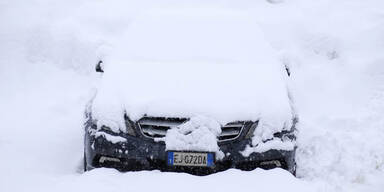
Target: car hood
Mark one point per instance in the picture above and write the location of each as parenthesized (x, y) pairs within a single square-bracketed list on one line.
[(182, 64)]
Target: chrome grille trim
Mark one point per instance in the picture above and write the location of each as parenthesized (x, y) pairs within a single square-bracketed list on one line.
[(231, 131), (149, 122), (236, 125), (152, 132), (157, 127)]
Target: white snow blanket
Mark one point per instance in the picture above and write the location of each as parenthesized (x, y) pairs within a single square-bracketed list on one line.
[(188, 62), (49, 49)]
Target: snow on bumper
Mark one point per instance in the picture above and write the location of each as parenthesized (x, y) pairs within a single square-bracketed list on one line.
[(274, 144)]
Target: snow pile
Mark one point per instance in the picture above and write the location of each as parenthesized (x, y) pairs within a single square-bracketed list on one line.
[(336, 62), (191, 62), (111, 138), (275, 143), (198, 134), (193, 34), (190, 90)]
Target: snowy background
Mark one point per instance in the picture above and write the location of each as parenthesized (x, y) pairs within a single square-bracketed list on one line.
[(335, 50)]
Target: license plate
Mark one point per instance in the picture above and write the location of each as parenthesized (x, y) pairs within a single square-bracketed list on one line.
[(196, 159)]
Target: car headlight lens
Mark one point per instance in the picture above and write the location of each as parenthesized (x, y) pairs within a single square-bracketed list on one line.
[(251, 130), (130, 129), (130, 126)]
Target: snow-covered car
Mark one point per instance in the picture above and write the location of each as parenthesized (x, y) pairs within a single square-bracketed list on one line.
[(197, 91)]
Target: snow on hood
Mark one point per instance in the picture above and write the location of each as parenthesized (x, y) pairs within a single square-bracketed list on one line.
[(188, 63)]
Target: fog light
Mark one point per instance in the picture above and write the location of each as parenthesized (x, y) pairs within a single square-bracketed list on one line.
[(269, 163), (103, 159)]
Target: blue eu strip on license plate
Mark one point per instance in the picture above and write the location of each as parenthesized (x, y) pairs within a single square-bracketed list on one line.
[(195, 159)]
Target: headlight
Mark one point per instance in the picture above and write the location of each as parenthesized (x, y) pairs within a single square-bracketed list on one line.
[(285, 135), (130, 126), (251, 130), (107, 130), (130, 129)]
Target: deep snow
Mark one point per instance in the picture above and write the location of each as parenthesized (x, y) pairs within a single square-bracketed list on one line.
[(187, 62), (48, 51)]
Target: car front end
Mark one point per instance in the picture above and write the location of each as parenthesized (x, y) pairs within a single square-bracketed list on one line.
[(139, 148), (196, 92)]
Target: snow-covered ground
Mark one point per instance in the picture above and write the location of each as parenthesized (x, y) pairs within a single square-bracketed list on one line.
[(334, 48)]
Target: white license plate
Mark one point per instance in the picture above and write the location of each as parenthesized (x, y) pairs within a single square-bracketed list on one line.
[(196, 159)]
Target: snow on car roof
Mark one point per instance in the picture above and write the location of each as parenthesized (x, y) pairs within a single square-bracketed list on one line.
[(193, 34), (192, 62)]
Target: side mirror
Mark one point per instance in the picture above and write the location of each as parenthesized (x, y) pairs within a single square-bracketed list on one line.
[(99, 67), (288, 70)]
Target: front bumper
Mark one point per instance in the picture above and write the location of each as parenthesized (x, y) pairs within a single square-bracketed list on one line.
[(137, 153)]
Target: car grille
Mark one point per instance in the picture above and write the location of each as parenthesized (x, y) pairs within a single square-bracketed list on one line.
[(157, 127), (231, 131)]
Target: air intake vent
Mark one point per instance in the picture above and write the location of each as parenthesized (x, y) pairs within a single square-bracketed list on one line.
[(156, 127), (231, 131)]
